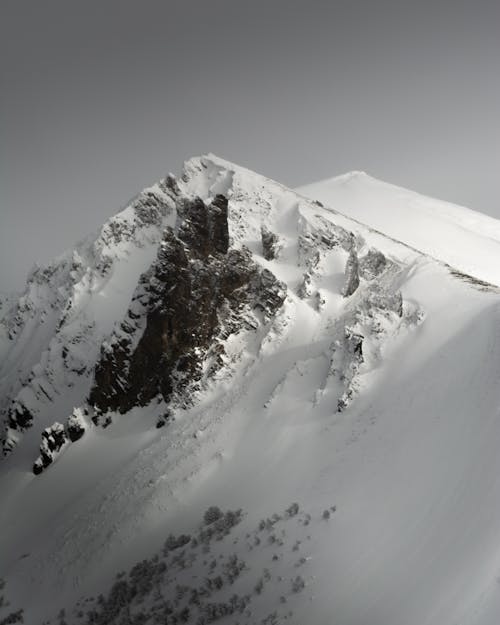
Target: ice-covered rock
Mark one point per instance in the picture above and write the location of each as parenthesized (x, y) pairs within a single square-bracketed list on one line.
[(53, 440), (76, 425)]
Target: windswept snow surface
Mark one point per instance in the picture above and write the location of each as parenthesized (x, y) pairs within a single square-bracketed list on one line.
[(465, 239), (411, 465)]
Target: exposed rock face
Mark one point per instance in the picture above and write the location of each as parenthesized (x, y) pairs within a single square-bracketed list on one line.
[(19, 417), (352, 345), (270, 243), (53, 439), (372, 264), (51, 322), (376, 313), (193, 295), (315, 241), (203, 229), (351, 274), (75, 425)]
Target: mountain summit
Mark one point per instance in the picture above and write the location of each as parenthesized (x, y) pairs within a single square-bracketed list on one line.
[(240, 403)]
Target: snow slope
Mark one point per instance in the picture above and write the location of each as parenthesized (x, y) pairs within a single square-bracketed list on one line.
[(410, 466), (467, 240)]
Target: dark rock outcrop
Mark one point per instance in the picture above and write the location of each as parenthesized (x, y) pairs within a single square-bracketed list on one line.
[(53, 439), (75, 426), (372, 264), (354, 344), (352, 358), (164, 419), (204, 229), (351, 274), (19, 417), (314, 242), (194, 295), (270, 243)]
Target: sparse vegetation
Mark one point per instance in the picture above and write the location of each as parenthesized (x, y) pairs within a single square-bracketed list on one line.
[(175, 542), (292, 510), (298, 584), (16, 616), (167, 589), (13, 617)]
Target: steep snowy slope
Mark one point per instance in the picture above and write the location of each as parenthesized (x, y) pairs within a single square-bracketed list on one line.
[(466, 240), (339, 387)]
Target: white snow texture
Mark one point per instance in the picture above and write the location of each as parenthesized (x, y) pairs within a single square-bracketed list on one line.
[(373, 395)]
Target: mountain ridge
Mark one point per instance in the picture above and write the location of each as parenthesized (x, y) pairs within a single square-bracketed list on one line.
[(358, 417), (435, 227)]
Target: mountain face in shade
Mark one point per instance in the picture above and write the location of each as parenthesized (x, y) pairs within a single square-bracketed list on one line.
[(196, 293), (237, 404)]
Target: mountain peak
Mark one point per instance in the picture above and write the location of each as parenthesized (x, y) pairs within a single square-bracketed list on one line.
[(316, 385)]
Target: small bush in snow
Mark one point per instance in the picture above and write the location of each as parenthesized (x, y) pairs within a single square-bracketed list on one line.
[(233, 568), (259, 586), (269, 523), (271, 619), (221, 527), (175, 542), (212, 514), (298, 584)]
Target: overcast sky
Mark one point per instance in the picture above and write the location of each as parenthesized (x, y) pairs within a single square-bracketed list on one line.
[(102, 97)]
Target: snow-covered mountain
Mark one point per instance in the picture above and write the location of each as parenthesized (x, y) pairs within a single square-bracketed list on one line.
[(236, 404)]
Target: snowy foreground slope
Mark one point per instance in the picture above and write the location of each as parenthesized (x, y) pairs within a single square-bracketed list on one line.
[(225, 341)]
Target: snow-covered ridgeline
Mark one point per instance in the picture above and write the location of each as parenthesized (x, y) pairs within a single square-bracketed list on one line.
[(464, 239), (372, 391), (51, 337)]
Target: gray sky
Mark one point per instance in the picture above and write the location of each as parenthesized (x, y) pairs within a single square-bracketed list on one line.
[(101, 98)]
